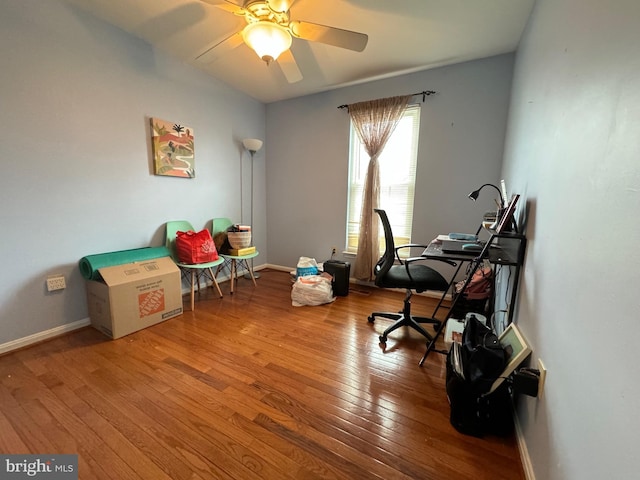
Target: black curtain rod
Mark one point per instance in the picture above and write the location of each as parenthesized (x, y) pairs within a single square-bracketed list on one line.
[(424, 93)]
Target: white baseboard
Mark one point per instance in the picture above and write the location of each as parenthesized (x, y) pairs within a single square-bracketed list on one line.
[(280, 268), (524, 451), (41, 336), (70, 327)]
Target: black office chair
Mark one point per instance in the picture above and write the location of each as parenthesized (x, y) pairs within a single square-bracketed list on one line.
[(408, 275)]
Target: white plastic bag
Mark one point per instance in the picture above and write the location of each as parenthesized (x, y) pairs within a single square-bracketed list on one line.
[(312, 290), (306, 266)]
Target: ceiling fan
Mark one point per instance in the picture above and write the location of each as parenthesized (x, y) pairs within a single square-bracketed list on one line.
[(269, 33)]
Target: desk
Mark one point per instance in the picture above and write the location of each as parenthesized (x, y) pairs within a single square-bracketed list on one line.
[(500, 249)]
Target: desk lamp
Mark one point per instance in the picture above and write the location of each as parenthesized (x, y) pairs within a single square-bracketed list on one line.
[(474, 195), (501, 208)]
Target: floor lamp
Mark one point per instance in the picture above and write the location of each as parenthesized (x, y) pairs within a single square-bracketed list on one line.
[(252, 145)]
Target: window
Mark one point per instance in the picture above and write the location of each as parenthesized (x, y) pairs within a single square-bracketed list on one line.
[(397, 179)]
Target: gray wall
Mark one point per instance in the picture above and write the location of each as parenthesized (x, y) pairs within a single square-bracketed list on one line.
[(462, 132), (76, 178), (573, 150)]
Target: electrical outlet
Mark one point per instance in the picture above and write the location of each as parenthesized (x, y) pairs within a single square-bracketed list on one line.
[(333, 251), (541, 378), (55, 282)]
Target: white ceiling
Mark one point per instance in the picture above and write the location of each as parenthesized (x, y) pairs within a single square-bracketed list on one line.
[(404, 36)]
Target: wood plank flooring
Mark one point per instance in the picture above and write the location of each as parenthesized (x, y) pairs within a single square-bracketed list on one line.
[(247, 387)]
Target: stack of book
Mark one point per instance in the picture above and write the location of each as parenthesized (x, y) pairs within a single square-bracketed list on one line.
[(239, 252)]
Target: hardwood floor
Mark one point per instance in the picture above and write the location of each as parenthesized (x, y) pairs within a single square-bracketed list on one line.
[(247, 387)]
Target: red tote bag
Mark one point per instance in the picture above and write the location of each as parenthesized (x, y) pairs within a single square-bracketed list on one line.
[(195, 247)]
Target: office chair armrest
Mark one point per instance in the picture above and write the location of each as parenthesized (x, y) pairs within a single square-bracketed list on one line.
[(413, 259), (410, 245), (407, 245), (445, 260)]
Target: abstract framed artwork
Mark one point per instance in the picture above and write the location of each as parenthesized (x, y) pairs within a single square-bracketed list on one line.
[(173, 151)]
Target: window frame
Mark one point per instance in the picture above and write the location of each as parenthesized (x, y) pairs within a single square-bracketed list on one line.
[(400, 215)]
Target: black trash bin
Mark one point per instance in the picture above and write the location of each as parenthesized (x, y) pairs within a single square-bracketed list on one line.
[(340, 272)]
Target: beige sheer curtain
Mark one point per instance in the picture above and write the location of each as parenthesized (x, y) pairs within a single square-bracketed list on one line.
[(374, 121)]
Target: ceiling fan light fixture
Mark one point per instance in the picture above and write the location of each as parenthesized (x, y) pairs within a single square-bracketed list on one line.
[(267, 39)]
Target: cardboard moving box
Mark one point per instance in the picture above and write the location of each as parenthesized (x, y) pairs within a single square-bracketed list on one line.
[(134, 296)]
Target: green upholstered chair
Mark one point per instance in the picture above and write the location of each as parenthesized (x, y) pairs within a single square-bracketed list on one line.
[(192, 272), (232, 261)]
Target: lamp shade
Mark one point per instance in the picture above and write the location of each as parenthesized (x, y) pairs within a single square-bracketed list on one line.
[(267, 39), (252, 144), (474, 195)]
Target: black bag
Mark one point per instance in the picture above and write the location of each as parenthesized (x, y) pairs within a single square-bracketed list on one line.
[(475, 411), (482, 355)]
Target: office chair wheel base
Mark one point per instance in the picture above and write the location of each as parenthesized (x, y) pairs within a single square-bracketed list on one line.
[(371, 319), (383, 339)]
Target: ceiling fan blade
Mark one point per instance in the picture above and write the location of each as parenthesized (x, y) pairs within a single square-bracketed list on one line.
[(329, 35), (280, 6), (226, 5), (211, 54), (289, 67)]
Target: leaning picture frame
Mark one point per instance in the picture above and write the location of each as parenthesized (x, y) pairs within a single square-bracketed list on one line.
[(516, 349)]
